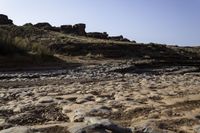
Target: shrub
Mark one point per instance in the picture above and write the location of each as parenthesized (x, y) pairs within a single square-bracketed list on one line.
[(8, 46)]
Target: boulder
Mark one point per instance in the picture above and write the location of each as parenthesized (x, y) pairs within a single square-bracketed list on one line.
[(99, 35), (4, 20), (95, 125), (79, 29)]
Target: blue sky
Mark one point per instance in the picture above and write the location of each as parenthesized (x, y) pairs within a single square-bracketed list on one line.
[(161, 21)]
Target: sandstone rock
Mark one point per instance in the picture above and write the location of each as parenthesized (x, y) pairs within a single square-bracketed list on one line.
[(197, 129), (99, 35), (17, 109), (81, 100), (155, 115), (100, 111), (46, 100), (2, 121), (4, 124), (66, 109), (79, 29), (56, 29), (83, 128), (125, 40), (197, 116), (84, 99), (28, 24), (66, 29), (4, 20), (77, 115), (43, 25), (151, 127), (116, 38), (97, 125), (100, 100), (51, 128), (17, 130)]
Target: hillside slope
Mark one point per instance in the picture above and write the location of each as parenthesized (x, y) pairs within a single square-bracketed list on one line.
[(43, 43)]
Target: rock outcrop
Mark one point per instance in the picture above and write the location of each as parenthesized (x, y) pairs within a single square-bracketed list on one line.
[(79, 29), (98, 35), (4, 20), (43, 25), (67, 29)]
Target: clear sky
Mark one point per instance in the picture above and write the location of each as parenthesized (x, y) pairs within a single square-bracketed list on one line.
[(160, 21)]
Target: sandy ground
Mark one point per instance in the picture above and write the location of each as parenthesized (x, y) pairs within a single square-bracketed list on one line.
[(144, 100)]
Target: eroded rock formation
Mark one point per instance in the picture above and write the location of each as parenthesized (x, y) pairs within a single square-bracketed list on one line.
[(4, 20), (99, 35)]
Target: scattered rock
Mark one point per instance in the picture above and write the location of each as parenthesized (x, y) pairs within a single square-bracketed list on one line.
[(46, 100), (197, 116), (100, 100), (102, 111), (155, 115), (84, 99), (17, 130), (197, 129), (81, 100), (66, 109), (17, 109), (38, 114), (151, 127), (77, 115), (99, 126), (4, 124)]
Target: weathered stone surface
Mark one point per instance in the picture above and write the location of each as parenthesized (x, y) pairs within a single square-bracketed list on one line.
[(17, 130), (79, 29), (77, 115), (116, 38), (99, 35), (46, 100), (99, 126), (151, 127), (4, 20), (43, 25), (98, 92), (28, 24), (125, 40), (197, 129), (67, 29)]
